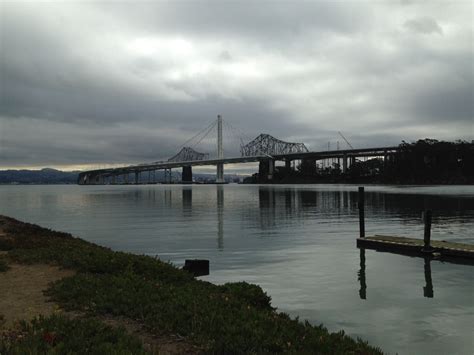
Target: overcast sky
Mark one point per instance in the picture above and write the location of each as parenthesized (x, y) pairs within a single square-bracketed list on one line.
[(85, 83)]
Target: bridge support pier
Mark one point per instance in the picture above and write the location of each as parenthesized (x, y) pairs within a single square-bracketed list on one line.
[(271, 169), (82, 179), (266, 170), (220, 173), (344, 164), (288, 165), (167, 176), (137, 175), (385, 159), (262, 170), (308, 166), (187, 174)]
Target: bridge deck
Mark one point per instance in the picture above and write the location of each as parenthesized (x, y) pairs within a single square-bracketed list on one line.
[(366, 152)]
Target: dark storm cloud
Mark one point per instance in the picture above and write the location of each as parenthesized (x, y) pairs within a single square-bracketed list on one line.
[(96, 82), (269, 20)]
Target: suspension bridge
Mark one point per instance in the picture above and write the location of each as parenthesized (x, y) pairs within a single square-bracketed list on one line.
[(264, 149)]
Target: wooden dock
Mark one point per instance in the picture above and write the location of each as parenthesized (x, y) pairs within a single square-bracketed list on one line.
[(449, 251), (415, 247)]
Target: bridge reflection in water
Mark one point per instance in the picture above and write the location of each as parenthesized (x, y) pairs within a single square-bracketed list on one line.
[(283, 217), (287, 206), (187, 208)]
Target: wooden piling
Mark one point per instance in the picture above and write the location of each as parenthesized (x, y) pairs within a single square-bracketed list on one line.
[(427, 235), (361, 212)]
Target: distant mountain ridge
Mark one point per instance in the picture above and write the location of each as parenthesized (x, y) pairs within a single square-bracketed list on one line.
[(53, 176), (43, 176)]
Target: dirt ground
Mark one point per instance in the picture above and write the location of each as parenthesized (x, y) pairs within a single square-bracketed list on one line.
[(21, 291)]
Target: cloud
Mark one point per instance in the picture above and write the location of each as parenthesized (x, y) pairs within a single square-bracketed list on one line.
[(424, 25), (98, 82)]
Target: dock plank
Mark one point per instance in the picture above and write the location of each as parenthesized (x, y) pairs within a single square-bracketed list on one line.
[(413, 245)]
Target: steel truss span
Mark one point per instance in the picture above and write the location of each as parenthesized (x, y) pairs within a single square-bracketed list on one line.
[(266, 144), (188, 154)]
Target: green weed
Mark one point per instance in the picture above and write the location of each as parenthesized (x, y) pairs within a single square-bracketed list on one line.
[(58, 334)]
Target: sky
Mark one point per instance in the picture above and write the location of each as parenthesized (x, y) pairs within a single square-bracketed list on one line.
[(88, 84)]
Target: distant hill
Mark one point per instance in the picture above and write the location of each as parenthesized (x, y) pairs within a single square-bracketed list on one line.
[(53, 176), (43, 176)]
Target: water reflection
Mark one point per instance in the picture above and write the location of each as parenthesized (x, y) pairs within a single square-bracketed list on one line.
[(168, 199), (220, 217), (361, 276), (428, 291), (308, 198), (266, 198), (285, 206), (187, 201), (298, 242)]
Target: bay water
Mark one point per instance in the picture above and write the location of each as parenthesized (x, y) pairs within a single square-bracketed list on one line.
[(298, 242)]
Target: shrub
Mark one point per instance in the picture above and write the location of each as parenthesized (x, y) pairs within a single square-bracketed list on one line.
[(249, 293)]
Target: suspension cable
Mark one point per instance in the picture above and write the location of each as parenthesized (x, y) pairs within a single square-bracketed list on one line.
[(197, 134), (206, 134)]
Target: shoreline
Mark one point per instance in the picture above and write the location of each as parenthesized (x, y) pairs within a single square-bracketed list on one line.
[(356, 183), (161, 300)]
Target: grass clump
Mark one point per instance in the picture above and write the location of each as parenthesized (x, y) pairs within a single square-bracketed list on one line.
[(231, 318), (58, 334), (219, 320)]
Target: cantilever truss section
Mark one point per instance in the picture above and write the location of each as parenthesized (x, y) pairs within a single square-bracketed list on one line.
[(265, 144), (188, 154)]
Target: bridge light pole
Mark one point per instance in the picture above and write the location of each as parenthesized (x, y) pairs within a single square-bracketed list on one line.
[(220, 151)]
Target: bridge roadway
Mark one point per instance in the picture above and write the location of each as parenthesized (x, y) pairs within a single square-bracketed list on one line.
[(96, 176)]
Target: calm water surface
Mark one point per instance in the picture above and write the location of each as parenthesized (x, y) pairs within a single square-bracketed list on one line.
[(297, 242)]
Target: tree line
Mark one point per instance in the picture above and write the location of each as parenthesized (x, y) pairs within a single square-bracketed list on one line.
[(427, 161)]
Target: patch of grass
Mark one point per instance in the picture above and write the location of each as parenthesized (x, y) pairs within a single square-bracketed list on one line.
[(232, 318), (32, 244), (219, 320), (58, 334)]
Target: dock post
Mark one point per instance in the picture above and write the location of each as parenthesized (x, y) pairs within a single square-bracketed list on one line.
[(427, 234), (361, 212)]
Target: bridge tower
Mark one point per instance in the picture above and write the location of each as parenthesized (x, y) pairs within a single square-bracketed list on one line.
[(220, 151)]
